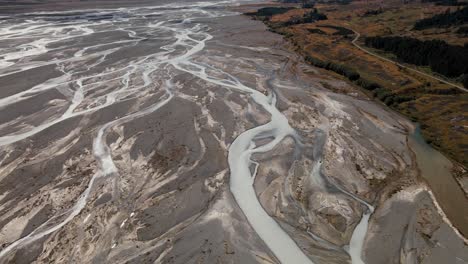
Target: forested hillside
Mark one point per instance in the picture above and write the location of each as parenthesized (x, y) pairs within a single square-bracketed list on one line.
[(448, 60), (446, 19)]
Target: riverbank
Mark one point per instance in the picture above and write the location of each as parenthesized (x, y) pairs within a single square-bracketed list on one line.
[(430, 101), (433, 168), (328, 44)]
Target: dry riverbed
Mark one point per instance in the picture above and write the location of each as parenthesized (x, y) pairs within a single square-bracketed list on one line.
[(127, 134)]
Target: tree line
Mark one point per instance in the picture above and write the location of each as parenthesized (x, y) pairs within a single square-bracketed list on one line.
[(445, 2), (448, 60), (446, 19), (383, 94), (270, 11), (266, 13), (308, 17)]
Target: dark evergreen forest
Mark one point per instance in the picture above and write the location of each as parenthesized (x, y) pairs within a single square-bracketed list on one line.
[(446, 19), (448, 60)]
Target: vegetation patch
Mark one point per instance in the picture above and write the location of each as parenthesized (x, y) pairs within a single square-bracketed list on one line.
[(445, 2), (373, 12), (448, 60), (342, 31), (385, 95), (308, 17), (338, 68), (462, 31), (316, 31), (446, 19), (268, 12)]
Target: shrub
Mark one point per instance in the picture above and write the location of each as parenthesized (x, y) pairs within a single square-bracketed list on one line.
[(464, 80), (462, 31), (398, 99), (309, 17), (367, 84), (338, 68), (381, 93), (270, 11)]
